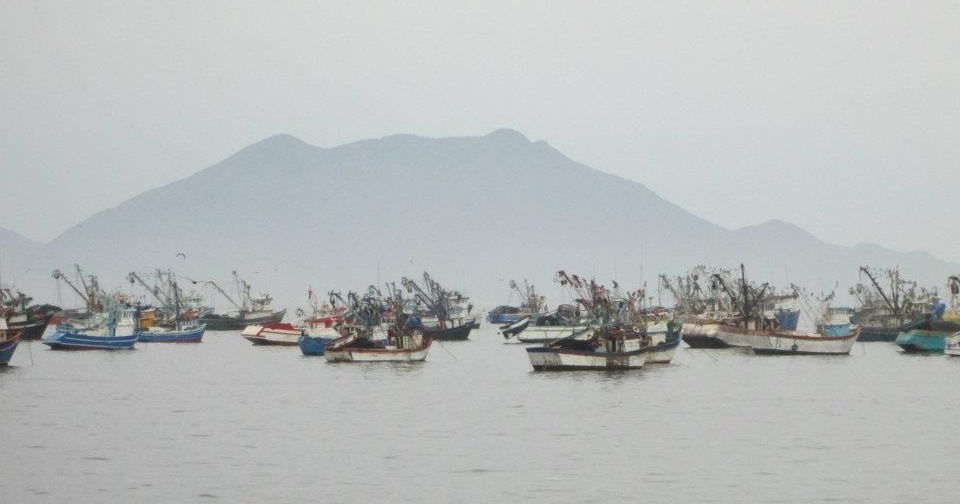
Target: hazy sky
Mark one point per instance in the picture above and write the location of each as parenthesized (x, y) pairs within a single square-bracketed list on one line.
[(842, 117)]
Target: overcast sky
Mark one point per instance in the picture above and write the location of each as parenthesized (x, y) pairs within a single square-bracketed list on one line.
[(842, 117)]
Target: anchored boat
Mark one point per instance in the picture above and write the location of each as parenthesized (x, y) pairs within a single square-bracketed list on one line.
[(514, 328), (605, 349), (190, 332), (28, 320), (928, 333), (405, 343), (249, 311), (663, 345), (114, 329), (797, 343), (9, 339)]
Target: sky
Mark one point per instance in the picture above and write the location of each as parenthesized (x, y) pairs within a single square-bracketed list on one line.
[(840, 117)]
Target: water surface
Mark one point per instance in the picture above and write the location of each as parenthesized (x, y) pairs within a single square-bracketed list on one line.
[(226, 421)]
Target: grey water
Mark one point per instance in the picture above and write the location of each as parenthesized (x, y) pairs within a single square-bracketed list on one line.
[(227, 421)]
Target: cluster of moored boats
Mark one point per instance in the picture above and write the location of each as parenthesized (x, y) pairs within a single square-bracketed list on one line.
[(600, 328)]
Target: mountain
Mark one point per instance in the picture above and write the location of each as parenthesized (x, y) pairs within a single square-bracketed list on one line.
[(474, 212), (16, 252)]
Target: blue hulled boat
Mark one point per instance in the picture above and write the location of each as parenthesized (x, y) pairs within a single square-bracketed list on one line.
[(928, 333), (192, 333), (117, 331), (9, 339), (313, 345)]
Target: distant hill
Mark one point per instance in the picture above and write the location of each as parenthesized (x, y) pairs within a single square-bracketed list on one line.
[(474, 212), (16, 256)]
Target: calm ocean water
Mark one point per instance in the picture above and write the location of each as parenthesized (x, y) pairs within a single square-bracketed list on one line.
[(226, 421)]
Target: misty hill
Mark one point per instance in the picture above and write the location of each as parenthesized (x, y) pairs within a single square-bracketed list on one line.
[(474, 212), (16, 254)]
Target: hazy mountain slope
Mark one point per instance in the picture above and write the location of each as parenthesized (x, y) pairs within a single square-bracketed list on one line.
[(16, 256), (472, 211)]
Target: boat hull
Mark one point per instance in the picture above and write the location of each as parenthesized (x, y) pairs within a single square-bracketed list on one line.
[(32, 328), (228, 323), (313, 345), (510, 330), (79, 341), (194, 335), (663, 346), (558, 359), (388, 354), (922, 341), (458, 333), (792, 343), (8, 346), (272, 334), (927, 335)]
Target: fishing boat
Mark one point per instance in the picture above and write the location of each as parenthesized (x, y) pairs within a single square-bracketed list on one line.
[(249, 311), (563, 322), (276, 333), (183, 333), (405, 343), (928, 333), (781, 342), (114, 329), (662, 346), (514, 328), (532, 305), (29, 320), (443, 313), (315, 344), (543, 333), (175, 325), (748, 315), (835, 321), (882, 312), (952, 345), (458, 332), (9, 339), (608, 349)]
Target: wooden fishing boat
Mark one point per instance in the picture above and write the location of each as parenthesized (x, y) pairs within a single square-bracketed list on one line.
[(514, 328), (780, 342), (9, 339), (409, 345), (606, 349)]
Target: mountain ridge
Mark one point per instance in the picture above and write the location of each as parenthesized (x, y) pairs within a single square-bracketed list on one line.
[(471, 210)]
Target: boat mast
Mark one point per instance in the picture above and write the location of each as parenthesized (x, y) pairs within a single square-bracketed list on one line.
[(221, 291), (894, 305), (133, 278)]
